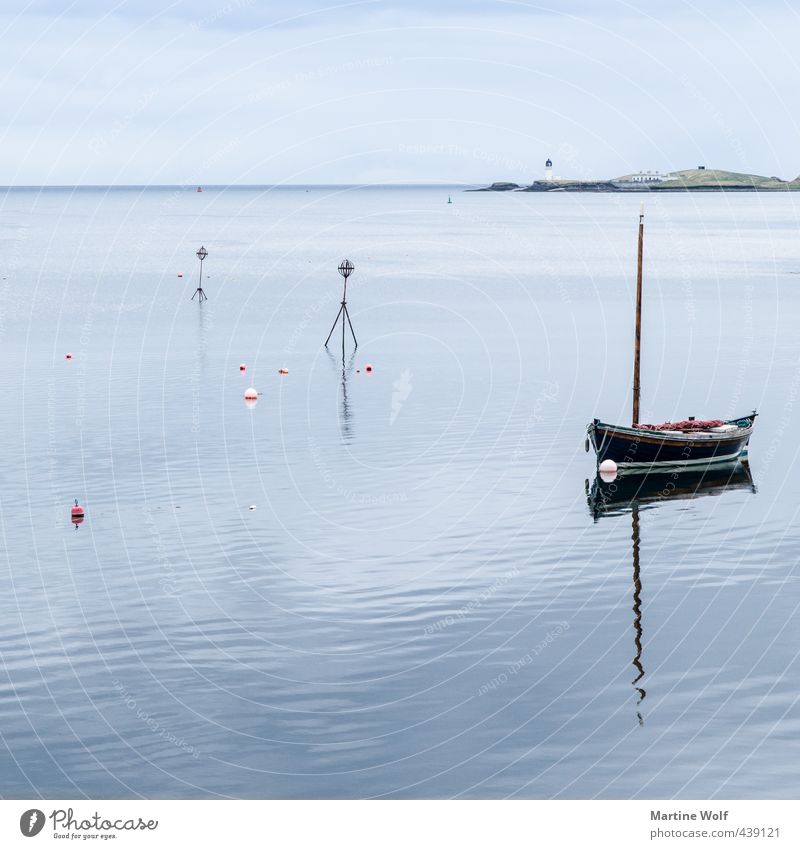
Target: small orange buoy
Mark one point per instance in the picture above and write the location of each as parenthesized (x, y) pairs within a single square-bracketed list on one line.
[(242, 367), (283, 371), (77, 514), (250, 394), (68, 356), (368, 367)]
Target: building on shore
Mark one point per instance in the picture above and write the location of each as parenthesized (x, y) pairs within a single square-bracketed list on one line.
[(548, 171), (645, 177)]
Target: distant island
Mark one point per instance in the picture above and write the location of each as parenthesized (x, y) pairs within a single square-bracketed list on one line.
[(700, 179)]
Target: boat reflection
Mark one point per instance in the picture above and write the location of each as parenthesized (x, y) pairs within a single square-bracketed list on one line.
[(615, 497), (632, 493)]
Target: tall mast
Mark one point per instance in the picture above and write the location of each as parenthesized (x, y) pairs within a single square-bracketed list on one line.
[(637, 345)]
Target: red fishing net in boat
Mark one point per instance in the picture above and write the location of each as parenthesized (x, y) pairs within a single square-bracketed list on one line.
[(694, 424)]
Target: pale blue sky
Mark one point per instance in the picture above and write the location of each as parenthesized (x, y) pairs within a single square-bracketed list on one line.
[(242, 91)]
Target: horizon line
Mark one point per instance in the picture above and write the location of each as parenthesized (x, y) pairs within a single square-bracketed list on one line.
[(204, 186)]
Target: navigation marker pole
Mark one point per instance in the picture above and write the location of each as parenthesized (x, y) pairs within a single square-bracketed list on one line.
[(201, 255), (345, 269)]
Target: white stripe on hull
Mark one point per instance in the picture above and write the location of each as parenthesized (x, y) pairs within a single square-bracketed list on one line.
[(669, 465)]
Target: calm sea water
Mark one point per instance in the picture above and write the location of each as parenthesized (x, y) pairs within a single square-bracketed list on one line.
[(422, 603)]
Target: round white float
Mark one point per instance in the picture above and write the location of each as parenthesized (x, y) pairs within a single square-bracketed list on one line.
[(608, 470)]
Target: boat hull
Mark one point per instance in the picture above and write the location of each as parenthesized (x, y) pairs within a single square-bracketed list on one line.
[(633, 448)]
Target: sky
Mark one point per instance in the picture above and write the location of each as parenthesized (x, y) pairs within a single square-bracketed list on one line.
[(384, 91)]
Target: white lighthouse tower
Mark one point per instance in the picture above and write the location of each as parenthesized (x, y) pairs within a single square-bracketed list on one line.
[(548, 170)]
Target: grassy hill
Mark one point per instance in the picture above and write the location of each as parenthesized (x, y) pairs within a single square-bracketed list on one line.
[(692, 179), (710, 178), (714, 177)]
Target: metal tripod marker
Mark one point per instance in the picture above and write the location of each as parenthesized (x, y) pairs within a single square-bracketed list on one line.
[(345, 269), (201, 255)]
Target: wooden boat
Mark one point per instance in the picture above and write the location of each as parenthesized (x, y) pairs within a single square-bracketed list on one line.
[(678, 444), (635, 448)]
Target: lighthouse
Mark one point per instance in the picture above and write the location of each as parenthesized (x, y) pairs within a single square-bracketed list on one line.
[(548, 170)]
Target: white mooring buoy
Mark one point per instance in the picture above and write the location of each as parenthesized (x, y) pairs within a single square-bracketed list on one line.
[(608, 470)]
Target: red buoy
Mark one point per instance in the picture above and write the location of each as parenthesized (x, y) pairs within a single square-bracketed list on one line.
[(77, 514), (68, 356), (368, 367), (180, 274), (242, 367)]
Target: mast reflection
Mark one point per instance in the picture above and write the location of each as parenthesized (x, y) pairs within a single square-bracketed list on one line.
[(632, 493), (345, 368), (637, 611)]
